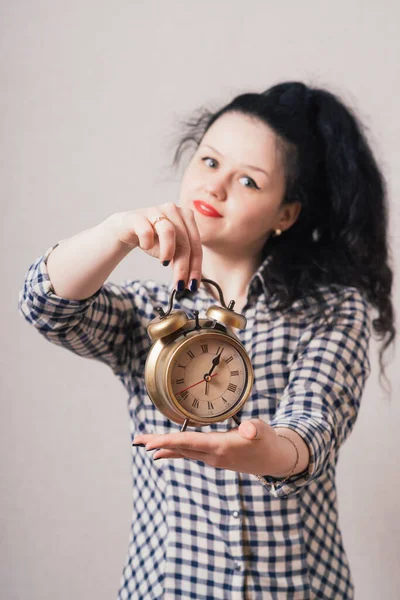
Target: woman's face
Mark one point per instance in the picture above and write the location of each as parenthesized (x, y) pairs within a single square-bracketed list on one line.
[(237, 170)]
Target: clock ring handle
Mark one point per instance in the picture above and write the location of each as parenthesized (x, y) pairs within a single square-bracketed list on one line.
[(221, 295), (162, 314)]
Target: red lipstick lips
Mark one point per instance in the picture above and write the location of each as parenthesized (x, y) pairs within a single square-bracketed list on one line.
[(206, 209)]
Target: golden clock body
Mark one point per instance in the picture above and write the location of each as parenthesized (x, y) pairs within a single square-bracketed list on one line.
[(177, 367)]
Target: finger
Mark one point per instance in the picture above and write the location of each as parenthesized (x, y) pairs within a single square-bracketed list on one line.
[(173, 453), (166, 454), (196, 250), (248, 430), (178, 446), (184, 440), (133, 229), (181, 258), (165, 233)]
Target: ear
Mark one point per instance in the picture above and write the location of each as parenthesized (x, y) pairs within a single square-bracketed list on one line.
[(288, 215)]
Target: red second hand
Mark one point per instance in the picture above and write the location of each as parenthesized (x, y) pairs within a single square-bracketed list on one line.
[(190, 386)]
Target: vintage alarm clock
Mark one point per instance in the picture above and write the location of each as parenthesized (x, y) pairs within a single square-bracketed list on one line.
[(197, 371)]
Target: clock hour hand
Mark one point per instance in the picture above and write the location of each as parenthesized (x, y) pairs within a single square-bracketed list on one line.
[(215, 362)]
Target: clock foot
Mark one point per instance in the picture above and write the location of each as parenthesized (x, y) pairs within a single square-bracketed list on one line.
[(236, 419), (185, 424)]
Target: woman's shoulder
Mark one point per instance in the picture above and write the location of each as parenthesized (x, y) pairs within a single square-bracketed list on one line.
[(328, 299), (335, 294)]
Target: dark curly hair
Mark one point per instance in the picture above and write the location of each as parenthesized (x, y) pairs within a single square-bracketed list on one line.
[(340, 236)]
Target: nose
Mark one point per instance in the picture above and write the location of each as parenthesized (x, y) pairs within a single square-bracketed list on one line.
[(216, 186)]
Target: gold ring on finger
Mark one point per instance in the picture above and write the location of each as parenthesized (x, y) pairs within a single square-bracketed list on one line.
[(159, 219)]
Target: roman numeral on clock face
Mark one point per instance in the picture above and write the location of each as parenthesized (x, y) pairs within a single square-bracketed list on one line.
[(190, 353), (232, 387), (195, 403), (204, 348), (234, 373), (179, 381), (228, 360), (184, 394), (210, 405)]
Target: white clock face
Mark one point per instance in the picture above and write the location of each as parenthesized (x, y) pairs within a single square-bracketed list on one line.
[(208, 376)]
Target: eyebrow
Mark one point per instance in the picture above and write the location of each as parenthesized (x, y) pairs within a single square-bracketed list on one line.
[(243, 165)]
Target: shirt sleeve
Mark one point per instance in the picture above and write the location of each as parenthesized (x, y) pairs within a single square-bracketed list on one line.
[(325, 386), (109, 326)]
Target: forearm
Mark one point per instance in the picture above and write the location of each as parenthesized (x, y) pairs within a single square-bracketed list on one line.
[(286, 453), (79, 266)]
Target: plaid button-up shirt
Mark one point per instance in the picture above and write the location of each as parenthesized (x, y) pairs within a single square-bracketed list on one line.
[(199, 532)]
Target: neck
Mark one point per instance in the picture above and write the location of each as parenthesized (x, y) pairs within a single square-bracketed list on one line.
[(232, 273)]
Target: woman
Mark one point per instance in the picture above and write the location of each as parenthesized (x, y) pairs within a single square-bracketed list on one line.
[(283, 205)]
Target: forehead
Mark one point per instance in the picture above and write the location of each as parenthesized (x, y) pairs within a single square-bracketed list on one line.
[(242, 138)]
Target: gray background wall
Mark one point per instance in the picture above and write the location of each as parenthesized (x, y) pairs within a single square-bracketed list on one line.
[(90, 99)]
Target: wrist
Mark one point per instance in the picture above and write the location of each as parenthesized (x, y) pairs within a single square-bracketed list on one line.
[(289, 450)]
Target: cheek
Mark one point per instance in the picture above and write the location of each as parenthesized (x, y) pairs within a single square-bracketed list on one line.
[(183, 192), (256, 215), (188, 182), (255, 219)]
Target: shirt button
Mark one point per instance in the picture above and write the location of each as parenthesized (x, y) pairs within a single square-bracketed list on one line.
[(235, 514), (238, 566)]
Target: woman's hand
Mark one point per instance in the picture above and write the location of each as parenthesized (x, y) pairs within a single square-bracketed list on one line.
[(176, 239), (253, 447)]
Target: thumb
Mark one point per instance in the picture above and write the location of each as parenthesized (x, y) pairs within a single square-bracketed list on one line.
[(251, 430)]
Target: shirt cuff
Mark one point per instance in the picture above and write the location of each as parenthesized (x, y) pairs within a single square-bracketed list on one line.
[(318, 439), (40, 285)]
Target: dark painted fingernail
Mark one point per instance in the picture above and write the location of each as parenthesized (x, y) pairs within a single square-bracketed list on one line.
[(194, 284), (142, 445), (181, 285), (151, 449), (166, 263), (158, 457)]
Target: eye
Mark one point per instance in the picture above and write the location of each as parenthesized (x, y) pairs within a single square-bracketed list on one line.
[(207, 158), (252, 183)]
